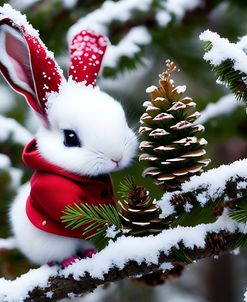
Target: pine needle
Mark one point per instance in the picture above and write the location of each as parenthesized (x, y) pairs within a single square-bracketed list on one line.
[(126, 186), (234, 79), (93, 219)]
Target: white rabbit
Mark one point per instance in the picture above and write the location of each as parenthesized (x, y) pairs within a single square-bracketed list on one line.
[(84, 135)]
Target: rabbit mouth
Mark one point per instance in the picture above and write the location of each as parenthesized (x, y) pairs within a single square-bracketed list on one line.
[(117, 161)]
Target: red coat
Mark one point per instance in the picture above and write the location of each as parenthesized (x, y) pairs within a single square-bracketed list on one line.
[(53, 188)]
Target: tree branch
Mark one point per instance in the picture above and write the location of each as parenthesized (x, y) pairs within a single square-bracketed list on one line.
[(216, 244), (214, 187), (118, 261), (131, 256)]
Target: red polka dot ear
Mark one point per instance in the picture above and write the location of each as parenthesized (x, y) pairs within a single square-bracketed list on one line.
[(87, 50)]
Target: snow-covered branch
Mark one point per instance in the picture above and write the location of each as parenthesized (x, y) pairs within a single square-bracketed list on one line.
[(129, 46), (100, 19), (219, 184), (118, 261), (138, 35), (10, 128), (226, 105), (222, 49), (228, 62)]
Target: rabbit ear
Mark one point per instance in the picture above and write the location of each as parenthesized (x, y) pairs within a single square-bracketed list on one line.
[(27, 66), (87, 50)]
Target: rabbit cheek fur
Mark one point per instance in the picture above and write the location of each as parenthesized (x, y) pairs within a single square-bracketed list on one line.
[(100, 125)]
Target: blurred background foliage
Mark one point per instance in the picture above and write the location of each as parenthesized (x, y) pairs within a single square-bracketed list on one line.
[(210, 280)]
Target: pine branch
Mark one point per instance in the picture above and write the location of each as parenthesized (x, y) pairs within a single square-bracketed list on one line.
[(227, 62), (215, 244), (94, 221), (209, 211), (143, 14), (205, 193), (178, 244)]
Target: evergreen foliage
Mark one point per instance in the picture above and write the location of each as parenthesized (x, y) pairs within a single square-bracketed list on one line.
[(95, 221), (178, 39)]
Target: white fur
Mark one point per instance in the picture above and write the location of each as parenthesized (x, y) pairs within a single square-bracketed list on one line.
[(105, 136), (99, 122), (107, 144), (38, 246)]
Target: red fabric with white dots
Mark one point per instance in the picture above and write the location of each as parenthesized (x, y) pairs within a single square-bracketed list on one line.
[(87, 50), (45, 72)]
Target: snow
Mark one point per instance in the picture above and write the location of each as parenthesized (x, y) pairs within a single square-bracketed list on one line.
[(180, 7), (145, 248), (163, 18), (4, 161), (151, 89), (69, 3), (241, 185), (222, 49), (23, 4), (181, 89), (176, 8), (100, 18), (166, 266), (116, 254), (211, 185), (112, 232), (8, 244), (215, 179), (121, 11), (10, 128), (49, 294), (17, 290), (6, 99), (100, 294), (21, 20), (224, 106), (245, 296), (127, 47), (188, 207), (15, 174), (165, 205)]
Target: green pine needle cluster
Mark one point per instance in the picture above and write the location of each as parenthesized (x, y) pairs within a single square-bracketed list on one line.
[(197, 215), (240, 214), (95, 221), (242, 241), (234, 79), (181, 256)]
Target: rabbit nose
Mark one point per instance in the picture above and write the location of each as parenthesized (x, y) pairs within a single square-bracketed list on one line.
[(117, 160)]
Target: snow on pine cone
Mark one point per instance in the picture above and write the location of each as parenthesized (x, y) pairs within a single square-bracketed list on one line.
[(171, 146)]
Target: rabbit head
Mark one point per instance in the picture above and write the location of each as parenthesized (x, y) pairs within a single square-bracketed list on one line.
[(84, 130)]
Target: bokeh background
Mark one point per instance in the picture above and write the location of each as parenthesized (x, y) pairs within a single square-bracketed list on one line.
[(210, 280)]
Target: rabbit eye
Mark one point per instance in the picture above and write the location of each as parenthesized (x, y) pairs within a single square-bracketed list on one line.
[(71, 139)]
